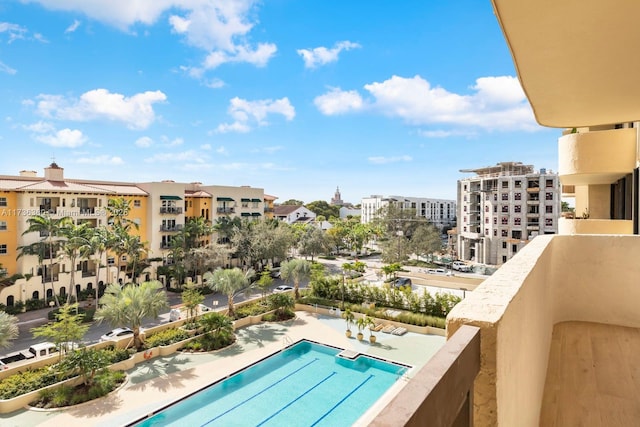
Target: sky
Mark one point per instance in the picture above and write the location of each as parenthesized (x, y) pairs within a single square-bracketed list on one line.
[(297, 97)]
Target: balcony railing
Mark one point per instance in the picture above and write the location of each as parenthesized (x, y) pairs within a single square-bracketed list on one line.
[(176, 227), (87, 211), (225, 210), (170, 210), (442, 391), (88, 273), (266, 209)]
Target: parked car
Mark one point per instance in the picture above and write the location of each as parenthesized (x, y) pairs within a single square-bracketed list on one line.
[(275, 272), (283, 288), (175, 314), (460, 266), (36, 351), (116, 334), (401, 282)]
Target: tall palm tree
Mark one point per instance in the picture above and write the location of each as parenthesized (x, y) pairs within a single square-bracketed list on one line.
[(295, 271), (50, 229), (135, 249), (100, 241), (8, 329), (76, 245), (37, 249), (131, 304), (230, 282), (118, 210)]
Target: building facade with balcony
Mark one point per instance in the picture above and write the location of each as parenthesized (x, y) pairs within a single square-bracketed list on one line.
[(503, 207), (439, 212), (159, 210)]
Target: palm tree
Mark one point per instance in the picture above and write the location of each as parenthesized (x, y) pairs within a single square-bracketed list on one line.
[(76, 245), (296, 271), (50, 229), (218, 326), (8, 329), (229, 282), (117, 213), (131, 304), (135, 249), (100, 240), (36, 249)]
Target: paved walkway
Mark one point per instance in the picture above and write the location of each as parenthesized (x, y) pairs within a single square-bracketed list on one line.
[(155, 383)]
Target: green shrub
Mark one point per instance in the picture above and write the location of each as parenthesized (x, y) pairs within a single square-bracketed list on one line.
[(115, 355), (252, 309), (28, 381), (166, 337), (88, 314)]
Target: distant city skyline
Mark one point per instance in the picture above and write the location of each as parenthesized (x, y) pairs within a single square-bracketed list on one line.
[(292, 97)]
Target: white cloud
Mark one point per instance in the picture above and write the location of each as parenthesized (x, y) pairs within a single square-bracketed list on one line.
[(496, 103), (213, 83), (321, 55), (212, 25), (269, 150), (441, 133), (135, 111), (337, 101), (69, 138), (172, 142), (101, 160), (205, 147), (6, 69), (14, 31), (71, 28), (41, 127), (246, 113), (144, 142), (221, 150), (380, 160)]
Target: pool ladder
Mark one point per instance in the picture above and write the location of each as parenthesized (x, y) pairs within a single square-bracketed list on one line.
[(286, 340)]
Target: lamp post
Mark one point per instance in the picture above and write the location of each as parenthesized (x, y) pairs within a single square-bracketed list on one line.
[(464, 292)]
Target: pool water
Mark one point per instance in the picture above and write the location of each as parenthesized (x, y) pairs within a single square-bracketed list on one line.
[(304, 385)]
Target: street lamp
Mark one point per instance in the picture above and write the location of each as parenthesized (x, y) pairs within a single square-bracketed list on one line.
[(464, 292)]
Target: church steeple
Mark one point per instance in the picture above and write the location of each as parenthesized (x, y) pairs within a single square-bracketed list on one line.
[(337, 198)]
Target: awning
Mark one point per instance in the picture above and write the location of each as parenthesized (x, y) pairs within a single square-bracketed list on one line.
[(245, 214), (256, 200), (256, 214), (170, 198), (225, 199), (245, 200)]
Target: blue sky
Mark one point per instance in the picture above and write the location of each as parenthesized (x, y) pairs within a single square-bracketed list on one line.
[(293, 96)]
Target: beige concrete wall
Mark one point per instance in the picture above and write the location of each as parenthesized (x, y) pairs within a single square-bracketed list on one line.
[(594, 226), (553, 279), (600, 201)]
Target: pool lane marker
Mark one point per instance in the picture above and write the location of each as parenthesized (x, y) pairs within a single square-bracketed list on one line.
[(343, 399), (297, 398), (260, 392)]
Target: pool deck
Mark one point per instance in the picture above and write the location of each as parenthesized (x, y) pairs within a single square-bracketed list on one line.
[(160, 381)]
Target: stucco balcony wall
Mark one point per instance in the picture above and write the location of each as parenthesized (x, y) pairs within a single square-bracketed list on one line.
[(594, 226), (553, 279), (599, 157)]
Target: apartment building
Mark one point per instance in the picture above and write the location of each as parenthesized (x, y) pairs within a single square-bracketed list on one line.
[(159, 209), (503, 207), (440, 212)]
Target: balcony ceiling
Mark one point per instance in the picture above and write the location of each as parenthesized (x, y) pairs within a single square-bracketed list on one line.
[(576, 59)]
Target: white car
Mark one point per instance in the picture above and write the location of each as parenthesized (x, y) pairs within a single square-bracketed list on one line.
[(116, 334), (283, 288)]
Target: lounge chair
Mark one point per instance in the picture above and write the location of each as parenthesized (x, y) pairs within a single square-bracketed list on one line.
[(377, 327), (399, 331), (388, 329)]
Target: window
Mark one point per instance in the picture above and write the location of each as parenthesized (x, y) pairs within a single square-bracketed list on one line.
[(464, 229), (517, 196), (136, 203), (3, 201), (3, 225), (549, 183), (548, 222), (505, 209), (505, 196), (486, 231), (517, 208), (495, 220), (3, 249), (504, 259), (504, 245), (465, 198), (516, 221), (495, 233), (548, 209), (549, 196), (517, 184), (495, 208), (486, 220), (465, 187), (505, 233), (464, 208), (514, 248), (505, 184), (495, 197), (505, 220), (486, 208)]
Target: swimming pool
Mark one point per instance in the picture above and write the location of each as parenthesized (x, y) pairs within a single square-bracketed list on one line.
[(307, 384)]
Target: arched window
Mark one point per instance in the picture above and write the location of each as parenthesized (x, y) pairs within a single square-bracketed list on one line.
[(78, 289), (89, 286), (63, 291), (35, 295), (49, 293), (10, 301)]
